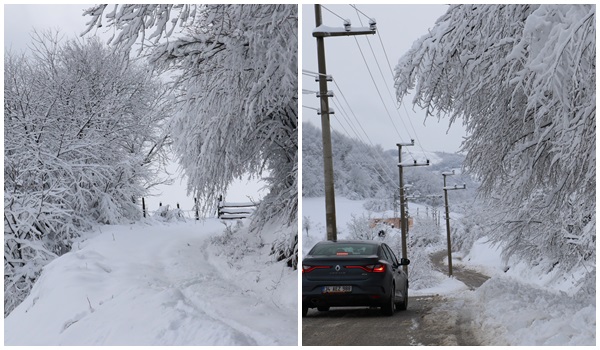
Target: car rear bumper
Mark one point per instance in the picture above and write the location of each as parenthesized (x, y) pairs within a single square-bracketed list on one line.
[(360, 296)]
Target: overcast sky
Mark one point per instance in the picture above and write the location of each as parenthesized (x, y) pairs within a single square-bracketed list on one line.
[(20, 20), (398, 27)]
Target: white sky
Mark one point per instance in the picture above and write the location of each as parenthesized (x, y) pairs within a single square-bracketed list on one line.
[(398, 27), (19, 21)]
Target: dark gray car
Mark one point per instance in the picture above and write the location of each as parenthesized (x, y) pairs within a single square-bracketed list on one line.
[(353, 273)]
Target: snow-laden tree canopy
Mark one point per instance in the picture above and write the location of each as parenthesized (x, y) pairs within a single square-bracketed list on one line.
[(523, 80), (82, 138), (234, 70)]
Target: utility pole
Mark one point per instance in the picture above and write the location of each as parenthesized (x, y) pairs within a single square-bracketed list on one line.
[(403, 220), (324, 94), (447, 173)]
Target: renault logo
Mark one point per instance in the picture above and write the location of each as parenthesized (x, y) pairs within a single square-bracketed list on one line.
[(337, 267)]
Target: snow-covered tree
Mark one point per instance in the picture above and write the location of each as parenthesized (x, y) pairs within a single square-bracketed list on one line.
[(523, 80), (234, 70), (81, 135)]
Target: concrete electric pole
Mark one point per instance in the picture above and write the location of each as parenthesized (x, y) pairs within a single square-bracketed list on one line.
[(403, 219), (320, 33), (444, 174)]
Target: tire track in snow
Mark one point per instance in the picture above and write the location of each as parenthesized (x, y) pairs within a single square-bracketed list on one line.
[(205, 293)]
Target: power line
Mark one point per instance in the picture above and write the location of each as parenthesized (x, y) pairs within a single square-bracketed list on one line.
[(379, 93), (354, 115), (387, 87), (353, 127), (335, 14), (357, 10), (400, 103), (350, 123), (376, 156), (309, 107), (313, 74)]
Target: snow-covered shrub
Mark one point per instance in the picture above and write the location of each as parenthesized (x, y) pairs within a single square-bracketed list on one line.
[(81, 128), (425, 233), (362, 228), (166, 214), (423, 239)]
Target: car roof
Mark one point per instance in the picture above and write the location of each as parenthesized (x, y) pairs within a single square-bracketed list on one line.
[(351, 241)]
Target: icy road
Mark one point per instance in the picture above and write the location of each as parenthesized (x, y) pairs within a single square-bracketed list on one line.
[(158, 285)]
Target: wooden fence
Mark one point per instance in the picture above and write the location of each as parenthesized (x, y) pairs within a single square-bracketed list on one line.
[(225, 210), (233, 211)]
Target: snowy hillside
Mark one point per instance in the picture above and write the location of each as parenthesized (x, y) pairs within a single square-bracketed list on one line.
[(363, 171), (518, 306), (161, 284)]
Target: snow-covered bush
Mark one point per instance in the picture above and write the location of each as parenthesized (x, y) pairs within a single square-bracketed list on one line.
[(81, 130), (166, 214), (362, 228)]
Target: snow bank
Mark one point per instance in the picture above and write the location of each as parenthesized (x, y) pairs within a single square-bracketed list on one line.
[(510, 312)]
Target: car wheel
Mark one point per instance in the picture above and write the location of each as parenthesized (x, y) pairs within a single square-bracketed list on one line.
[(304, 310), (388, 307), (404, 304), (323, 308)]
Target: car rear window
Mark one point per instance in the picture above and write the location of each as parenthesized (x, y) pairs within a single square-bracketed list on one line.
[(341, 249)]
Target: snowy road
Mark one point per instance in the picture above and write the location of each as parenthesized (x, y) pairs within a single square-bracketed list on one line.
[(429, 320), (470, 278), (426, 322), (155, 285)]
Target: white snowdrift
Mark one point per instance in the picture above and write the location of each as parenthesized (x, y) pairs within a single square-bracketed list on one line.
[(164, 284), (510, 312)]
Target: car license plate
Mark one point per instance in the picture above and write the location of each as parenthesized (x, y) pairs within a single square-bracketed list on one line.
[(336, 289)]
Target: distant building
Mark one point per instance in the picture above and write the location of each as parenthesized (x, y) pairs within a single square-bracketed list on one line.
[(392, 222)]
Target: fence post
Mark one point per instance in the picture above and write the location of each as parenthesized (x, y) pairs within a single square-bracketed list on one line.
[(196, 208), (219, 206), (144, 207)]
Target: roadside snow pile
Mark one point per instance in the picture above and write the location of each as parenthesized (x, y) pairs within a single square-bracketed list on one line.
[(510, 312), (531, 305), (164, 284)]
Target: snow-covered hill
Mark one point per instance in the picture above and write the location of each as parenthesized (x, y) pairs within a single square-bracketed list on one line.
[(518, 306), (363, 171), (161, 284)]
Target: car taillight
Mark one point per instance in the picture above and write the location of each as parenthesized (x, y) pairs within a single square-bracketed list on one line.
[(368, 268), (379, 268), (309, 268)]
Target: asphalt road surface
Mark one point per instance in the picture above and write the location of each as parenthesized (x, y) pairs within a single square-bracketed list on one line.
[(429, 320)]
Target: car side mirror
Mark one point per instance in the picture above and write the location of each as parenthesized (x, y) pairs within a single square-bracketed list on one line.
[(404, 261)]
